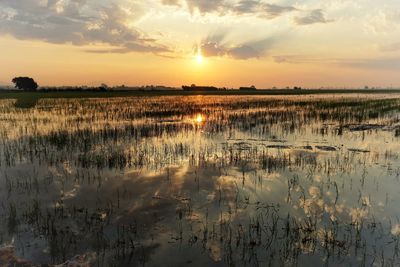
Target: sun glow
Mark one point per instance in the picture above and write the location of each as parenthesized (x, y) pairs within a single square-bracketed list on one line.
[(199, 118), (199, 57)]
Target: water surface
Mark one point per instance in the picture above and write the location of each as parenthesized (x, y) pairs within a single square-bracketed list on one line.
[(202, 180)]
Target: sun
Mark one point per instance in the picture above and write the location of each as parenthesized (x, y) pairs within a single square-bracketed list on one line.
[(199, 57)]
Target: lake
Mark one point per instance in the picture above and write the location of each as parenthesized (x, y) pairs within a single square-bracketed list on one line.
[(201, 181)]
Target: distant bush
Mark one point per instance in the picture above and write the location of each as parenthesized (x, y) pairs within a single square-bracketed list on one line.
[(25, 83)]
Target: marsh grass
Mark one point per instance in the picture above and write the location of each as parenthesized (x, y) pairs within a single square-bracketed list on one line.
[(260, 181)]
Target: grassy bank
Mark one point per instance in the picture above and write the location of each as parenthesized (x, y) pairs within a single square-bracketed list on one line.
[(12, 94), (29, 99)]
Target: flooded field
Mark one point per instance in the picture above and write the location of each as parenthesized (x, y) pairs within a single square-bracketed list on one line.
[(201, 181)]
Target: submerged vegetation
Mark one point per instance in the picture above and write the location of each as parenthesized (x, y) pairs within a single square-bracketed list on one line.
[(201, 180)]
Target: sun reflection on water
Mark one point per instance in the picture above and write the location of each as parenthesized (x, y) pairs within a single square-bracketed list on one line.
[(199, 118)]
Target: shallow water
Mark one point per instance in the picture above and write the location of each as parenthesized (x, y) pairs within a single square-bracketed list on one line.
[(205, 181)]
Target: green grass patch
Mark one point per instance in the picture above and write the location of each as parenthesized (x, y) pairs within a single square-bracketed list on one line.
[(29, 99)]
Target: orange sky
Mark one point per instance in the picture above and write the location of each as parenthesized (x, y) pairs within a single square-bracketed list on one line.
[(266, 43)]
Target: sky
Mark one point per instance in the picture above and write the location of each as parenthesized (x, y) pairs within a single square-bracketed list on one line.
[(226, 43)]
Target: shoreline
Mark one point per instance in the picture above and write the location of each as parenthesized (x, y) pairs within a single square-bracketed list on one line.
[(13, 94)]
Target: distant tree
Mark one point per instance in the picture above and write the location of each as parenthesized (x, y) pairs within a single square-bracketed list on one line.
[(25, 83), (104, 87)]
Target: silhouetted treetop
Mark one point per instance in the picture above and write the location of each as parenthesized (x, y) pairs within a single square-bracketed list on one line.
[(25, 83)]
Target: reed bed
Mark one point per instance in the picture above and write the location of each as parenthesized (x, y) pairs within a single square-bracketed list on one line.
[(211, 180)]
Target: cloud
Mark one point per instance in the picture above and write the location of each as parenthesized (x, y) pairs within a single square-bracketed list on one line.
[(390, 47), (203, 6), (171, 2), (384, 64), (264, 10), (113, 23), (243, 7), (385, 21), (245, 51), (206, 5), (212, 49), (215, 46), (137, 47), (313, 17), (79, 22), (294, 59), (305, 59)]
